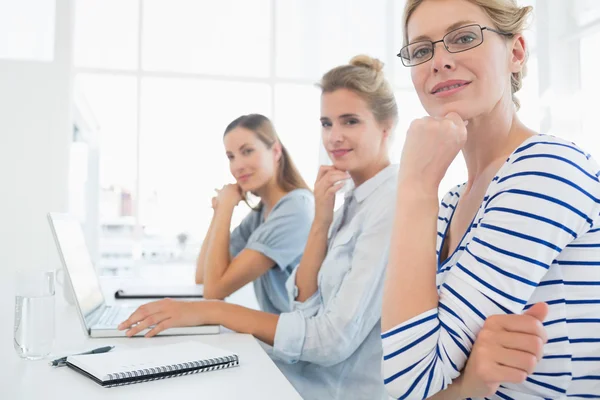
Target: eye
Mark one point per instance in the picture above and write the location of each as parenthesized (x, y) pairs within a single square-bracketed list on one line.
[(464, 39), (325, 124), (352, 121), (421, 52), (247, 151), (229, 157)]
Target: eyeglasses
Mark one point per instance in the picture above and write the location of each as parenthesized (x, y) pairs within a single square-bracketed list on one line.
[(456, 41)]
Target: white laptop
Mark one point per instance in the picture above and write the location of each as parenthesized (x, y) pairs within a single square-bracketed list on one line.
[(98, 318)]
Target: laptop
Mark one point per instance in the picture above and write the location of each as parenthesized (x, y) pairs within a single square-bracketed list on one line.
[(98, 318)]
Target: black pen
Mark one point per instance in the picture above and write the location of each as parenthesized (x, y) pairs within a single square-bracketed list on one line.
[(59, 362)]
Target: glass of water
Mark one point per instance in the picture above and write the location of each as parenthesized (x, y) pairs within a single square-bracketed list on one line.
[(34, 314)]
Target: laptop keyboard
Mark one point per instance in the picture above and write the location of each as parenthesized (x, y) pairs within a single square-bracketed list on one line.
[(113, 316)]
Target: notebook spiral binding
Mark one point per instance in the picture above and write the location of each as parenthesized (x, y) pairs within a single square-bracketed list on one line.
[(170, 371)]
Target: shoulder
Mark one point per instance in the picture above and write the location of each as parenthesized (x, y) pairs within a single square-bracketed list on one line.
[(556, 155), (296, 201), (550, 174)]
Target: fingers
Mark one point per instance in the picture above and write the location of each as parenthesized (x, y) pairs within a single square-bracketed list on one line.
[(503, 374), (148, 322), (521, 360), (456, 119), (141, 313), (531, 344), (527, 324), (323, 169), (333, 176), (539, 311), (164, 324), (335, 188)]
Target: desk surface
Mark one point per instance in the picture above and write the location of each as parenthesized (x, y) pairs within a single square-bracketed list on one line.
[(257, 377)]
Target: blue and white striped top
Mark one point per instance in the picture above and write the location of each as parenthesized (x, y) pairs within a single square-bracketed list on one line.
[(536, 237)]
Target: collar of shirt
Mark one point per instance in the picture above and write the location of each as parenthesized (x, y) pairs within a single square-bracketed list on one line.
[(363, 191)]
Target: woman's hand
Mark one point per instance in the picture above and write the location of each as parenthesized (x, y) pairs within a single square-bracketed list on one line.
[(430, 147), (507, 350), (329, 181), (168, 313), (229, 196)]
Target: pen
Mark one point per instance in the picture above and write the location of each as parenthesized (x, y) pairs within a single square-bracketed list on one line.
[(59, 362)]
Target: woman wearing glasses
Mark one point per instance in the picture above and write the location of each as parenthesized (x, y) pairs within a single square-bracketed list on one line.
[(328, 345), (464, 277)]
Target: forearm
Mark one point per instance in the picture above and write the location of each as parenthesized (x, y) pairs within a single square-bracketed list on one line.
[(217, 253), (452, 392), (310, 264), (410, 285), (200, 262), (240, 319)]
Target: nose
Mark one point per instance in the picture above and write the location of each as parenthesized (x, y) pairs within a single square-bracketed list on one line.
[(335, 134), (237, 165), (442, 59)]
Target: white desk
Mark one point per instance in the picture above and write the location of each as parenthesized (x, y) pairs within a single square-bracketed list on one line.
[(257, 377)]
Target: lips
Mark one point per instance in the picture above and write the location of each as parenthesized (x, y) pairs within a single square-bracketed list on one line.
[(340, 152), (244, 178), (448, 86)]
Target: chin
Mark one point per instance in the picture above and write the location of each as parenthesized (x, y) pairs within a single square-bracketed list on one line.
[(440, 111)]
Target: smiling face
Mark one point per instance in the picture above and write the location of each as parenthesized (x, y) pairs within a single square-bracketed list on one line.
[(470, 83), (251, 163), (354, 140)]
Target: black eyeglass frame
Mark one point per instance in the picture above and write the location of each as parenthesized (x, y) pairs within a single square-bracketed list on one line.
[(482, 28)]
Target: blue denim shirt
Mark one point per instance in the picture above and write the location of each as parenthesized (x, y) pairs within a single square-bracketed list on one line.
[(281, 237), (329, 346)]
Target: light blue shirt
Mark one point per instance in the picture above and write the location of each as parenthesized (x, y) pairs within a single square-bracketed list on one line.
[(329, 346), (282, 238)]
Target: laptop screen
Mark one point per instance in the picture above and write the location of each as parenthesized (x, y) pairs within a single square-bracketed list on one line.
[(77, 262)]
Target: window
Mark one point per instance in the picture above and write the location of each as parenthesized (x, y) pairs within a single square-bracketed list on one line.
[(106, 34), (313, 36), (226, 37), (164, 78), (590, 86), (24, 34)]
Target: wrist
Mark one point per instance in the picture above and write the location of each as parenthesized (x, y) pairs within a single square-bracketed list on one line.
[(417, 188), (460, 390), (208, 312), (224, 207), (320, 226)]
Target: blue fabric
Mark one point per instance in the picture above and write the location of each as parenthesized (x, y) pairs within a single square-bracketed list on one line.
[(282, 238)]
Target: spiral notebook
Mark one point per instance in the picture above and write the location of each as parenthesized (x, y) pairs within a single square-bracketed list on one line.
[(151, 363)]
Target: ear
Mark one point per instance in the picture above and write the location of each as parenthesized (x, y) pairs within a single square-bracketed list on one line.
[(277, 151), (387, 128), (518, 53)]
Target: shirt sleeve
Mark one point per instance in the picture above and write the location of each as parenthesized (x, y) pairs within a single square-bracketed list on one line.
[(282, 237), (539, 202), (240, 235), (327, 334)]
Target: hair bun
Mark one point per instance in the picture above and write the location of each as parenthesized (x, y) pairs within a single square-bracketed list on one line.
[(367, 62)]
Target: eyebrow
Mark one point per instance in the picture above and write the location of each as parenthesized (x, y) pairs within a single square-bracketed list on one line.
[(349, 115), (241, 148), (448, 29)]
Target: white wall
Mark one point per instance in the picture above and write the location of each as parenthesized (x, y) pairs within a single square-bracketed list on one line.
[(35, 131)]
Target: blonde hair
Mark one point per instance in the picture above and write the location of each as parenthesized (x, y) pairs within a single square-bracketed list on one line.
[(364, 76), (507, 17), (288, 176)]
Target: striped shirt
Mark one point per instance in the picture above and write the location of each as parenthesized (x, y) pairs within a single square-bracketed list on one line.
[(535, 238)]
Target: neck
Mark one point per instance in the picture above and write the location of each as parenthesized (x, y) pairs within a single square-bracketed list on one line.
[(270, 194), (360, 177), (491, 138)]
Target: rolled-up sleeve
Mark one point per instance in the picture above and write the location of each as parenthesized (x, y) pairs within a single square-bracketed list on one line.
[(328, 333), (283, 235), (310, 306)]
